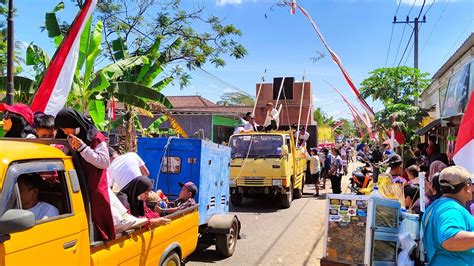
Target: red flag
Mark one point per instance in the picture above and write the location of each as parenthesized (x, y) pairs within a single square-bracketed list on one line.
[(54, 89), (464, 150), (338, 61)]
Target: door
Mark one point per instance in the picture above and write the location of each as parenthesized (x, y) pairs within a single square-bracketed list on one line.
[(60, 235)]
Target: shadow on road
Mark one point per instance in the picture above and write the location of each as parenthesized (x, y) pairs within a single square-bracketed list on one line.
[(205, 254)]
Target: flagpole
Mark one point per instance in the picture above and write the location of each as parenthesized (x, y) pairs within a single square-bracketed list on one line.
[(258, 92), (10, 51), (301, 105)]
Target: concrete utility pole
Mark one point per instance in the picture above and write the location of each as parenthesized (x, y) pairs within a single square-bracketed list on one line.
[(10, 51), (416, 21)]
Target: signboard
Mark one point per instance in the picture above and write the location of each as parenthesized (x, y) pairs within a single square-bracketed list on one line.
[(457, 93), (347, 229)]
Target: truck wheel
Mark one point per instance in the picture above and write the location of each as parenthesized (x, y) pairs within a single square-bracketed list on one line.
[(287, 198), (172, 260), (298, 193), (236, 199), (225, 243)]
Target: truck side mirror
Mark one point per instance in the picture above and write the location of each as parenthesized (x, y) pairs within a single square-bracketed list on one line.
[(16, 220), (284, 150)]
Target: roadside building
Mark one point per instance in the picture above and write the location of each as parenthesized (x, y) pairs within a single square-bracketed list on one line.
[(447, 96), (200, 117)]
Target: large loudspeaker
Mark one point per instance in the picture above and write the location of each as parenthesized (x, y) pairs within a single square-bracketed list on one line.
[(287, 88)]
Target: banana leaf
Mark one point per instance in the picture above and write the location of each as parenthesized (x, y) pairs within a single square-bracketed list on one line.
[(97, 112), (118, 69), (94, 50), (139, 91), (84, 45)]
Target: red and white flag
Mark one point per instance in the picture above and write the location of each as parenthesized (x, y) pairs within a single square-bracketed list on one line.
[(54, 89), (464, 150), (292, 7), (338, 124)]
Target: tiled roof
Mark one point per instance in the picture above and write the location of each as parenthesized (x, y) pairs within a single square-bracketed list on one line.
[(192, 101)]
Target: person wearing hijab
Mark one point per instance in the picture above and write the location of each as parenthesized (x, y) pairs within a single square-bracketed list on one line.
[(86, 139), (136, 192), (17, 121)]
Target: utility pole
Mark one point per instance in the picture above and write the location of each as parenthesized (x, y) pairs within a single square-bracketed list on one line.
[(416, 21), (10, 50)]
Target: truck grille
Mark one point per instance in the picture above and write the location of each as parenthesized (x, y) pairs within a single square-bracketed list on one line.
[(254, 182)]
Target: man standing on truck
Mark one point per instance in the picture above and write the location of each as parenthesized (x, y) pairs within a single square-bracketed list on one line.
[(272, 118)]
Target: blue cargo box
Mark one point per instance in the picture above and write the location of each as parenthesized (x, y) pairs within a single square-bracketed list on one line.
[(204, 163)]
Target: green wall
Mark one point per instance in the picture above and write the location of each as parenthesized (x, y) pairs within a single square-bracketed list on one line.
[(218, 120)]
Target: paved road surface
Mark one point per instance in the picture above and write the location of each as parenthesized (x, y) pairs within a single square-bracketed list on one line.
[(270, 235)]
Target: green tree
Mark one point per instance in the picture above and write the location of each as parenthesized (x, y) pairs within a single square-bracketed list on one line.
[(394, 85), (398, 88), (202, 38), (236, 98)]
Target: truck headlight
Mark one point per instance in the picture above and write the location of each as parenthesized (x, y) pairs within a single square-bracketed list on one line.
[(233, 182), (276, 182)]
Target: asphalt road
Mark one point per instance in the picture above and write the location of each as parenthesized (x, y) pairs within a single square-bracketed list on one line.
[(271, 235)]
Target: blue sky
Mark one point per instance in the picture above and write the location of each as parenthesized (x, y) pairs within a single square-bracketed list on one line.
[(357, 30)]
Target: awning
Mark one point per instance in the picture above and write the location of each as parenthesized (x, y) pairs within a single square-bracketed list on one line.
[(429, 127)]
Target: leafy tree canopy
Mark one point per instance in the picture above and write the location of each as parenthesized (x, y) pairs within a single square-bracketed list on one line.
[(203, 38), (236, 99), (394, 85)]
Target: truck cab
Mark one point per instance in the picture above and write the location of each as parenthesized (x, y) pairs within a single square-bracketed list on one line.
[(266, 164), (70, 238)]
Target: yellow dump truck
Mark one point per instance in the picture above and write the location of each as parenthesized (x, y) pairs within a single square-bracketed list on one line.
[(266, 163), (69, 238)]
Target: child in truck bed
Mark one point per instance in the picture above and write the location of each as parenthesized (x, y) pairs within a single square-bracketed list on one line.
[(185, 199)]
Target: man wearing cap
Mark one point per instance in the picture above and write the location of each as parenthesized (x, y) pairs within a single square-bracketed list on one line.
[(448, 227), (272, 118), (185, 199)]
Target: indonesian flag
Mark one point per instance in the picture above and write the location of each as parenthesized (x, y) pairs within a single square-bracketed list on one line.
[(54, 89), (338, 124), (292, 7), (464, 150)]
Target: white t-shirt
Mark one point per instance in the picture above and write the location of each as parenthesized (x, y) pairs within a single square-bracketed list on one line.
[(304, 136), (314, 164), (44, 210), (250, 127), (125, 168), (237, 130), (273, 115)]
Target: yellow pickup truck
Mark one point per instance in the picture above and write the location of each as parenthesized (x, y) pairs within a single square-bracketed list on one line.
[(69, 238), (266, 163)]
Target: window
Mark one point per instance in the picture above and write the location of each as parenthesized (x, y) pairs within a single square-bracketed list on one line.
[(256, 146), (171, 165), (39, 186)]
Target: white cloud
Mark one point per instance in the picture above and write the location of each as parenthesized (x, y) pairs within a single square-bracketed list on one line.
[(228, 2), (420, 2)]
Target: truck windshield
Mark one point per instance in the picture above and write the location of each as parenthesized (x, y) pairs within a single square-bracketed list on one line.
[(261, 146)]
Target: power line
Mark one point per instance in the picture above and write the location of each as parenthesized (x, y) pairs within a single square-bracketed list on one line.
[(391, 34), (456, 42), (406, 47), (403, 33), (436, 24)]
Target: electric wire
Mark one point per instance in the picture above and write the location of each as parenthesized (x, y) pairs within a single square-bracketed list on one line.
[(391, 35), (436, 24), (403, 34)]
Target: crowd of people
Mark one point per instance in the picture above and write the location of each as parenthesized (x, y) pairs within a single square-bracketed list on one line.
[(112, 213)]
